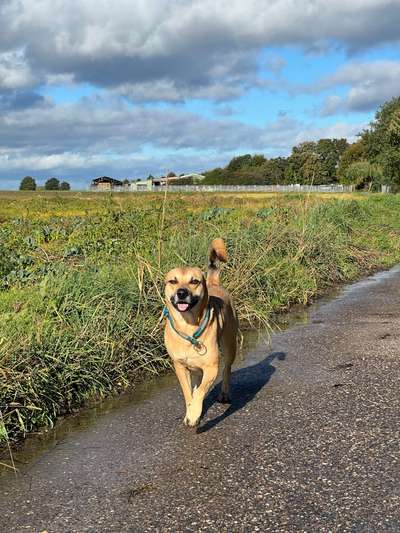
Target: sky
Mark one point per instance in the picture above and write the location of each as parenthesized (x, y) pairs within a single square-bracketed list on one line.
[(125, 88)]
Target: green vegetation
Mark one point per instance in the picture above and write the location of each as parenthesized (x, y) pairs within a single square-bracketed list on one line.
[(363, 175), (81, 279), (309, 163), (380, 144)]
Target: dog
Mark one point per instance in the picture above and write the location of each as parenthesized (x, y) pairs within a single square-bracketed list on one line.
[(200, 319)]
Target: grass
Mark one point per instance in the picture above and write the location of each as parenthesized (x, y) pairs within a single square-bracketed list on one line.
[(81, 280)]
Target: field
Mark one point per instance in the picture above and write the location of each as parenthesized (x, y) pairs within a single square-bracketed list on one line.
[(81, 279)]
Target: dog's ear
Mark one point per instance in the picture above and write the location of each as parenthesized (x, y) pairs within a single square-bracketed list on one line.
[(205, 288), (204, 300)]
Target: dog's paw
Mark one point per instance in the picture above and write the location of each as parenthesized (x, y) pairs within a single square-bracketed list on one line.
[(224, 398), (191, 422)]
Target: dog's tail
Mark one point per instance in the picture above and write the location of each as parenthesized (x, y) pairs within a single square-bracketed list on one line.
[(217, 253)]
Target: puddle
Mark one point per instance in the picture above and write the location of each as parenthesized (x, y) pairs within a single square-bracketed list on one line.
[(253, 342)]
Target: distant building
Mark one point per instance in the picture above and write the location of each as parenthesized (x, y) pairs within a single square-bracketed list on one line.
[(106, 184), (142, 185)]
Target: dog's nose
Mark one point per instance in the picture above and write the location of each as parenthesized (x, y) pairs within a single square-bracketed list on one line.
[(182, 293)]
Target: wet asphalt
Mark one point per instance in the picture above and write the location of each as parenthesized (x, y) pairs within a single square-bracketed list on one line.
[(309, 444)]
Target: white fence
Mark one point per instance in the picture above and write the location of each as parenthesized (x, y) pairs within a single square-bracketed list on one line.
[(256, 188), (335, 188)]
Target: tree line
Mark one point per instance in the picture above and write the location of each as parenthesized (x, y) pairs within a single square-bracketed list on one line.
[(52, 184), (373, 160)]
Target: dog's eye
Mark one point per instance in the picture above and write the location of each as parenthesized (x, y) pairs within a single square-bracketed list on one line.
[(194, 282), (173, 281)]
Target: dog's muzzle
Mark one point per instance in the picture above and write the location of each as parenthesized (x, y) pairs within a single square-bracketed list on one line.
[(183, 300)]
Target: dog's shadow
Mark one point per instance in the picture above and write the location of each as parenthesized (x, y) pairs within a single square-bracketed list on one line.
[(245, 384)]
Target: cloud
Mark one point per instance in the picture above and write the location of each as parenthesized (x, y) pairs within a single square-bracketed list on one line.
[(114, 129), (15, 73), (13, 100), (371, 84), (331, 105), (337, 130), (111, 126), (98, 136), (173, 50), (168, 91)]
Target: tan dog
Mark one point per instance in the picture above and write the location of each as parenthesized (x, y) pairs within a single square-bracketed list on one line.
[(200, 318)]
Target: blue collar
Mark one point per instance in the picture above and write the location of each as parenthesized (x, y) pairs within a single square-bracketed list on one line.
[(193, 339)]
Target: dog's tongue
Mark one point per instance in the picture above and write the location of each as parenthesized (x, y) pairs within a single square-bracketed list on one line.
[(182, 307)]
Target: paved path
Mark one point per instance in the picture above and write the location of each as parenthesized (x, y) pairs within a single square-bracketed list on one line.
[(310, 443)]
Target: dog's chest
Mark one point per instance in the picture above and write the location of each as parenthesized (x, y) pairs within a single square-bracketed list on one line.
[(181, 351), (188, 356), (190, 362)]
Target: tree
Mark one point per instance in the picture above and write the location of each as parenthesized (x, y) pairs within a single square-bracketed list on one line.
[(27, 184), (65, 186), (274, 170), (258, 160), (304, 164), (217, 176), (315, 162), (394, 129), (330, 152), (364, 175), (381, 141), (52, 184), (171, 175), (237, 163), (353, 153)]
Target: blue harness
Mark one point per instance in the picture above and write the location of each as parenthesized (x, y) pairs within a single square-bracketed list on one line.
[(193, 339)]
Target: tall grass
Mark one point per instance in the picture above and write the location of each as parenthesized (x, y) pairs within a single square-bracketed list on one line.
[(81, 295)]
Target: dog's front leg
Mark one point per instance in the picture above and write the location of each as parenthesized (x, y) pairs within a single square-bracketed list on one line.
[(183, 375), (195, 408)]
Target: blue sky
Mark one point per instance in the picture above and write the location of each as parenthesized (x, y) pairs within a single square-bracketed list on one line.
[(128, 88)]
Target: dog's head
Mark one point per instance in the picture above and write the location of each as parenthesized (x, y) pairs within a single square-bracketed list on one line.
[(185, 288)]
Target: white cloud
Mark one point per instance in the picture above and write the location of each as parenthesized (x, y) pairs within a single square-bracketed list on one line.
[(337, 130), (169, 91), (371, 83), (87, 138), (64, 161), (15, 73), (331, 105), (111, 126), (197, 48)]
